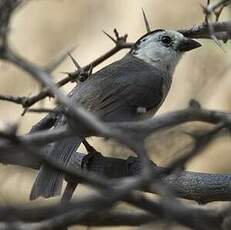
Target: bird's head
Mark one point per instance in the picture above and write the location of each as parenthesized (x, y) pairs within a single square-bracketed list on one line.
[(163, 48)]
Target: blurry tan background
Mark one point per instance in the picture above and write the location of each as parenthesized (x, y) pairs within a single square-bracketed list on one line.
[(41, 29)]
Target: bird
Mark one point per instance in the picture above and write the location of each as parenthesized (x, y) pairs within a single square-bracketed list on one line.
[(129, 89)]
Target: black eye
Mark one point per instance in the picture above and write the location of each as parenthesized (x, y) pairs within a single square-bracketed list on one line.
[(166, 40)]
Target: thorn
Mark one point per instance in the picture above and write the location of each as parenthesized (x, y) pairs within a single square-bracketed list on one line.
[(194, 104), (116, 34), (67, 73), (90, 70), (74, 61), (217, 42), (24, 112), (146, 21), (218, 14), (109, 36)]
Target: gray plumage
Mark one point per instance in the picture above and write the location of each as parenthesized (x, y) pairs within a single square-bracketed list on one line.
[(110, 96), (113, 94)]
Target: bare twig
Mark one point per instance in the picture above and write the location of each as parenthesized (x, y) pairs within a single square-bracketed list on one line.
[(6, 8), (219, 3), (18, 100), (148, 28)]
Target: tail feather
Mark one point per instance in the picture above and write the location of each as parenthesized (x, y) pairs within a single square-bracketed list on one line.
[(47, 184), (49, 181)]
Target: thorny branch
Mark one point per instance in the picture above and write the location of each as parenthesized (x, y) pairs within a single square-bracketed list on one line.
[(221, 29), (25, 151)]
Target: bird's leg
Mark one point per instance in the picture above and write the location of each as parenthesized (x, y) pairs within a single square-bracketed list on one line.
[(69, 190), (68, 193), (90, 149), (72, 184), (92, 152)]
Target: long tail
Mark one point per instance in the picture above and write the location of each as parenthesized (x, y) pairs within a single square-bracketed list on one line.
[(49, 181)]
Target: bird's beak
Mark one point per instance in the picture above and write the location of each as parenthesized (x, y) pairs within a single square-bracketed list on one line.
[(187, 44)]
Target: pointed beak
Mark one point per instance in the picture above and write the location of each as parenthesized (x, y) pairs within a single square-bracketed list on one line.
[(187, 44)]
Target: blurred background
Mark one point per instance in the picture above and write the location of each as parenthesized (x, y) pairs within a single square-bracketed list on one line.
[(41, 29)]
